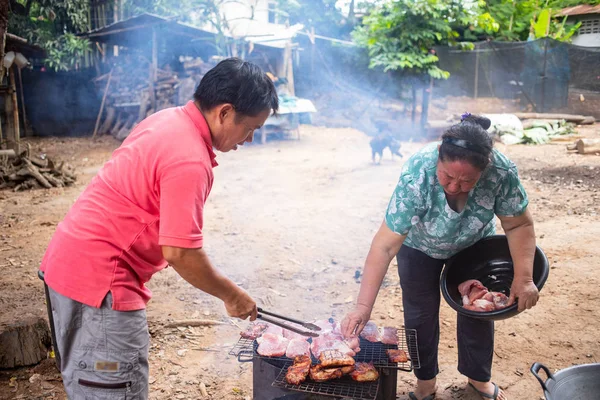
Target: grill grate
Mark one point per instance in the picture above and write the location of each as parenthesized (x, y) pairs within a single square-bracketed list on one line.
[(245, 351), (343, 387), (376, 352)]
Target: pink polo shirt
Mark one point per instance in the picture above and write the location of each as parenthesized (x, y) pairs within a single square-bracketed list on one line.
[(150, 193)]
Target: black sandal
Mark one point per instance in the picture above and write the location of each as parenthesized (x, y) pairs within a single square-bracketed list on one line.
[(487, 395), (411, 396)]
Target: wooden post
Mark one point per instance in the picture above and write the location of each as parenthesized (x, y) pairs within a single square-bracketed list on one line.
[(102, 104), (153, 68), (312, 39), (413, 113), (12, 107), (289, 67), (115, 19), (4, 14), (543, 97), (425, 106), (476, 73), (22, 103)]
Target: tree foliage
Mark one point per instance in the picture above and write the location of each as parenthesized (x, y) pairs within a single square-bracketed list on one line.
[(400, 34), (517, 18), (322, 15), (52, 25)]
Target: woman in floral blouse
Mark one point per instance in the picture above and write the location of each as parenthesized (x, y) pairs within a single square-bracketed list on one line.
[(446, 200)]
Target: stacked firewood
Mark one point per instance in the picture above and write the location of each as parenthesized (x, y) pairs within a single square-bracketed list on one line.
[(21, 172), (129, 94)]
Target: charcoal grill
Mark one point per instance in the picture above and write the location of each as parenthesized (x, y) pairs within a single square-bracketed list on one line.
[(269, 372)]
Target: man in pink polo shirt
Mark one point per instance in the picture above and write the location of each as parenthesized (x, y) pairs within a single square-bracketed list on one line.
[(142, 212)]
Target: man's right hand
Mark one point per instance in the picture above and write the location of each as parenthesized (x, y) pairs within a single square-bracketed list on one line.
[(241, 305), (355, 321)]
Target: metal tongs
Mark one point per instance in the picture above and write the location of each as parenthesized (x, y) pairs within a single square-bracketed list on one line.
[(306, 325)]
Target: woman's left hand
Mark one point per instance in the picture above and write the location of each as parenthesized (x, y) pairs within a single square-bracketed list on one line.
[(525, 292)]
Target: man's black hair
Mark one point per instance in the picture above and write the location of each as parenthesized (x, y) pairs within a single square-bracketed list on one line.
[(240, 83)]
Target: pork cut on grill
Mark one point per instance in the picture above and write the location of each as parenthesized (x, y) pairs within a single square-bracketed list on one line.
[(274, 329), (293, 335), (254, 330), (272, 345), (397, 355), (333, 358), (352, 342), (371, 332), (320, 374), (330, 341), (324, 324), (389, 336), (331, 338), (364, 372), (297, 347), (297, 373)]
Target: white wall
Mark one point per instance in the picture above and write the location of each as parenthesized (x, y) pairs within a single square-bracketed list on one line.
[(588, 39), (234, 10)]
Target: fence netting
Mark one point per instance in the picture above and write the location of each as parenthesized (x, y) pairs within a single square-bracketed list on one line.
[(544, 74)]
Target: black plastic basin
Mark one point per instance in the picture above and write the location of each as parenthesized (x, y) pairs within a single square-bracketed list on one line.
[(488, 261)]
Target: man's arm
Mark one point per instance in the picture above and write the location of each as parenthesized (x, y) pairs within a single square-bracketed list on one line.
[(194, 266), (521, 241)]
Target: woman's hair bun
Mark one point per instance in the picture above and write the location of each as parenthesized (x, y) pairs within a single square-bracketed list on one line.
[(484, 122)]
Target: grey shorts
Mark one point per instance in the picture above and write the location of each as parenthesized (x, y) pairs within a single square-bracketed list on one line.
[(103, 353)]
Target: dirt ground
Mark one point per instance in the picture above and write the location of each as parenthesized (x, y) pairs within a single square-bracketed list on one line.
[(291, 222)]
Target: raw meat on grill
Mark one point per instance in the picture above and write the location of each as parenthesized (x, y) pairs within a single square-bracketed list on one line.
[(297, 373), (364, 372), (352, 342), (274, 329), (476, 297), (297, 347), (333, 358), (397, 355), (325, 325), (320, 374), (330, 341), (390, 335), (293, 335), (271, 345), (254, 330), (370, 332)]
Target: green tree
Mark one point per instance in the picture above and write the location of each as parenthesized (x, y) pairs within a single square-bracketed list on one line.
[(517, 19), (322, 15), (400, 35), (52, 25)]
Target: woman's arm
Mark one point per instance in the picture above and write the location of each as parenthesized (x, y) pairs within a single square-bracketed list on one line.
[(521, 241), (384, 247)]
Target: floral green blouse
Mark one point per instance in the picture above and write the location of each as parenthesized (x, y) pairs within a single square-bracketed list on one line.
[(418, 207)]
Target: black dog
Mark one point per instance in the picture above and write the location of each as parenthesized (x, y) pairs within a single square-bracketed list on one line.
[(380, 142)]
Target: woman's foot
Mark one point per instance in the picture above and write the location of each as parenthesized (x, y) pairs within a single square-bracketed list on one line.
[(488, 390), (425, 389)]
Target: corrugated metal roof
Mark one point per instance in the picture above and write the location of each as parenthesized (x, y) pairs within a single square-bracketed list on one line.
[(138, 29), (580, 10), (19, 44)]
